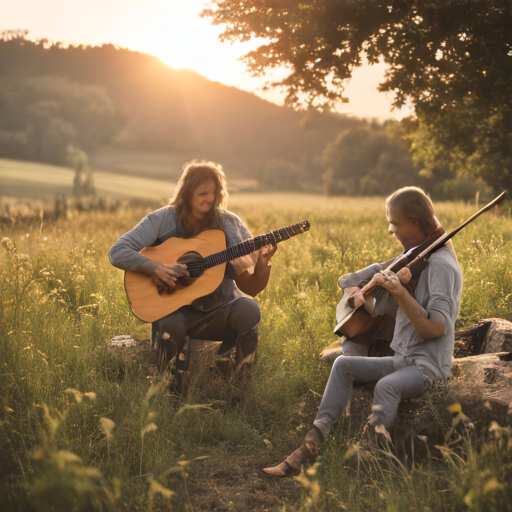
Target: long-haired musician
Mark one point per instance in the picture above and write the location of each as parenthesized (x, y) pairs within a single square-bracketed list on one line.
[(423, 337), (376, 340), (229, 314)]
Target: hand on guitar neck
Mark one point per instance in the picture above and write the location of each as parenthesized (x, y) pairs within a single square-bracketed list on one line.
[(254, 283), (262, 265), (356, 298)]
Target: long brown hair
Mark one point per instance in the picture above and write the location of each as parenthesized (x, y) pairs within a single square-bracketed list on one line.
[(414, 204), (194, 174)]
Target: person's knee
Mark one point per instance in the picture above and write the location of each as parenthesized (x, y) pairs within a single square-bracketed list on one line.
[(172, 328), (246, 314), (341, 365), (386, 390), (251, 311)]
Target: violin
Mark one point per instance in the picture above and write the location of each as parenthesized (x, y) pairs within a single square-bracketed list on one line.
[(351, 321)]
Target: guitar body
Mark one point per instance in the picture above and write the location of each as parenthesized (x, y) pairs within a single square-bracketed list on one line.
[(148, 303), (350, 321)]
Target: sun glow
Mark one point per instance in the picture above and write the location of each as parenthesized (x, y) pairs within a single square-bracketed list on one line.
[(173, 31)]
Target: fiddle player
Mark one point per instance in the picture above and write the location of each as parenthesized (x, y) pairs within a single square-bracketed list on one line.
[(227, 314), (423, 336)]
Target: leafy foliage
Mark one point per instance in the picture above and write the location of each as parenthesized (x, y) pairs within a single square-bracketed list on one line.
[(452, 58), (371, 159), (41, 117)]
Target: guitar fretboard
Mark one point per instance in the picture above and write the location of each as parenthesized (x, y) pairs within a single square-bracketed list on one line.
[(253, 244)]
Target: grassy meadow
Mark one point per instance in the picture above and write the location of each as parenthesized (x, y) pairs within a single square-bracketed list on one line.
[(83, 429), (145, 175)]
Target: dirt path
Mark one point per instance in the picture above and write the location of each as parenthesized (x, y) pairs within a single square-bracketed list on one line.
[(230, 478), (229, 481)]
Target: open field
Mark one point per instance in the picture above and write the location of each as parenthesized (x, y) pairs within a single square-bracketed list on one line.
[(60, 301), (159, 165), (31, 179), (22, 179)]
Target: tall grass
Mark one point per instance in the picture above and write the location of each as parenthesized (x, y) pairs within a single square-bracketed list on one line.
[(81, 428)]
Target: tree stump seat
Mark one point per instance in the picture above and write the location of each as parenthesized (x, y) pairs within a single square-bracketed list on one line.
[(195, 359)]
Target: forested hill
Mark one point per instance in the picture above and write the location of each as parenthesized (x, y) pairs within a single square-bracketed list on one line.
[(135, 100)]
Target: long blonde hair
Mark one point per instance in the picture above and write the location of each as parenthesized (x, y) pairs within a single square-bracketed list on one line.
[(414, 204), (194, 174)]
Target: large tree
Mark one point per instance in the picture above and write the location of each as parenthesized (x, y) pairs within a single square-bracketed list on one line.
[(451, 58), (369, 159)]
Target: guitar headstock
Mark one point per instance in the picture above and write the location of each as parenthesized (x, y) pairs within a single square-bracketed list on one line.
[(301, 227), (304, 225)]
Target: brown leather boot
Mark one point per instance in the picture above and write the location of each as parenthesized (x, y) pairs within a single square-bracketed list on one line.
[(307, 452)]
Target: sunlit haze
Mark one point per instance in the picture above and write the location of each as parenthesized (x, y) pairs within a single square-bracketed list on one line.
[(173, 31)]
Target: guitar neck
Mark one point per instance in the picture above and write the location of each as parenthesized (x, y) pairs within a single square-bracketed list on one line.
[(253, 244)]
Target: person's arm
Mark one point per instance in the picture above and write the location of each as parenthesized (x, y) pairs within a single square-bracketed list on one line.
[(125, 255), (355, 294), (254, 283), (369, 302), (427, 328)]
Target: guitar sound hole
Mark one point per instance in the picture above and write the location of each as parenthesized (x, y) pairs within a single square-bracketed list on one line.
[(195, 265)]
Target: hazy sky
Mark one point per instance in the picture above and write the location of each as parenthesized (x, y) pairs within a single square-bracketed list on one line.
[(173, 31)]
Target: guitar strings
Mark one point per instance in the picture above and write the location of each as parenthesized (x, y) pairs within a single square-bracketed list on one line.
[(248, 246)]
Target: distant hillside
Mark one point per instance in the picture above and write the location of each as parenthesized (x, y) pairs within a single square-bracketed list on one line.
[(161, 108)]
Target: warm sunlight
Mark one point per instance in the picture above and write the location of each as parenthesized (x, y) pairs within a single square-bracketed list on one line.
[(173, 31)]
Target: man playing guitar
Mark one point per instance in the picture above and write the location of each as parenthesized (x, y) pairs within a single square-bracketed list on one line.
[(227, 314)]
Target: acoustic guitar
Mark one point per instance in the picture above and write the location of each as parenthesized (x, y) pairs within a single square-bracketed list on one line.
[(205, 256)]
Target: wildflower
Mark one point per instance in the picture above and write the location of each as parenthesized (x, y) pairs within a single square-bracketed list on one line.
[(157, 488), (459, 416), (76, 394), (107, 425), (148, 428), (8, 244)]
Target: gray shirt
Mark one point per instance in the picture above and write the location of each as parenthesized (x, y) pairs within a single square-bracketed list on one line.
[(162, 224), (438, 292)]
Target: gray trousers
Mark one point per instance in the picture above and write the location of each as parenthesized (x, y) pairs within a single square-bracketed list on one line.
[(396, 380), (236, 325)]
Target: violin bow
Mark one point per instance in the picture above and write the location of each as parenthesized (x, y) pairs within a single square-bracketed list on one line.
[(437, 244)]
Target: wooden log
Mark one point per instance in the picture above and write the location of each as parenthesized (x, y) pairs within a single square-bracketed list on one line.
[(489, 336)]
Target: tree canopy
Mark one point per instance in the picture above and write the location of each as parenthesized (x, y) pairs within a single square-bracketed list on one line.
[(40, 117), (451, 58)]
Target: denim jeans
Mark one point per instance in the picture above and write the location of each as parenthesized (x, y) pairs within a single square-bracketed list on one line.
[(236, 324), (396, 380)]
